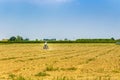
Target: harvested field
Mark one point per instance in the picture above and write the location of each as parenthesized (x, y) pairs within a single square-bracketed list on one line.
[(61, 62)]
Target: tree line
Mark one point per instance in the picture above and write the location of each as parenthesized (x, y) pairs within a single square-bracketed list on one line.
[(17, 39), (20, 39)]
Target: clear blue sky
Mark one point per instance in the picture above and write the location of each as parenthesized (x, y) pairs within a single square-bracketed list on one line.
[(60, 19)]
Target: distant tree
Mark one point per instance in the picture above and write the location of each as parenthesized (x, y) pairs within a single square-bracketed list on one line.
[(19, 38), (27, 39), (65, 39), (13, 38), (112, 38), (36, 40)]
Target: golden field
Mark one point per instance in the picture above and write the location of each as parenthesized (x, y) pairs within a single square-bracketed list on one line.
[(60, 62)]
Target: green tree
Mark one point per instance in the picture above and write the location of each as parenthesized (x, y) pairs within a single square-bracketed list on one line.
[(65, 39), (13, 38), (36, 40), (112, 38), (27, 39), (19, 38)]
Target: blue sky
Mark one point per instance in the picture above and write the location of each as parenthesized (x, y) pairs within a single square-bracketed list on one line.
[(60, 19)]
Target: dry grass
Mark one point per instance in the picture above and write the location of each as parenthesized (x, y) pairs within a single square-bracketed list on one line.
[(60, 62)]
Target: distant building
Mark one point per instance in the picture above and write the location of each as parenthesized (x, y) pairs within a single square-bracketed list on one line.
[(5, 39), (49, 39)]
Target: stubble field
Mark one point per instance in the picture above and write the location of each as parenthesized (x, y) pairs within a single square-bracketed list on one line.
[(60, 62)]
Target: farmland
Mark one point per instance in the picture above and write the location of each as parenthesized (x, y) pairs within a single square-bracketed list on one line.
[(67, 61)]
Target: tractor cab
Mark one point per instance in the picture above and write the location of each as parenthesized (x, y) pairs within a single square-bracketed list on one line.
[(45, 45)]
